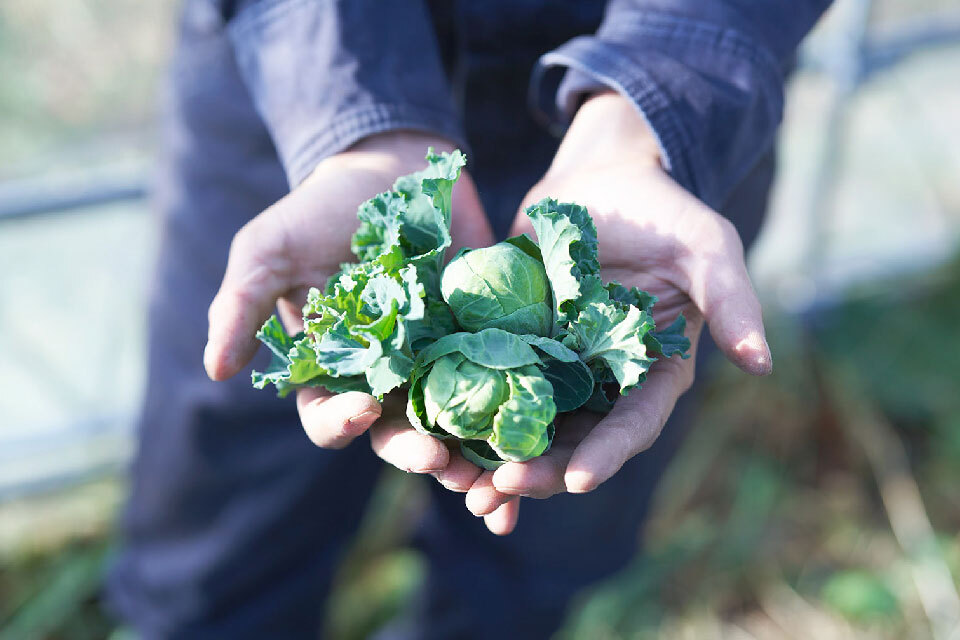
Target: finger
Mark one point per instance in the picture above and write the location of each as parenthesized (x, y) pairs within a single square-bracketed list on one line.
[(257, 274), (398, 443), (631, 427), (543, 476), (540, 477), (483, 498), (720, 286), (522, 224), (459, 474), (333, 421), (504, 520)]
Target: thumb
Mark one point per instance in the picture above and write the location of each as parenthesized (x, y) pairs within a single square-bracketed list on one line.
[(258, 272), (720, 286)]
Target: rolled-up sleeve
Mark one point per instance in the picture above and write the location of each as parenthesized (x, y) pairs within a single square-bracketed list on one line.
[(323, 73), (706, 76)]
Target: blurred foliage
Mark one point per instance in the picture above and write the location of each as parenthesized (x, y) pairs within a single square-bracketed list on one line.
[(77, 73), (54, 595), (379, 575), (859, 595), (770, 523)]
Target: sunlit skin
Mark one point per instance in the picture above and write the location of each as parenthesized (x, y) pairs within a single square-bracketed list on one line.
[(298, 243), (653, 234)]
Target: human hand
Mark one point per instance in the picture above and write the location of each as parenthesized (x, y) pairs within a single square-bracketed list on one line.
[(658, 237), (298, 243)]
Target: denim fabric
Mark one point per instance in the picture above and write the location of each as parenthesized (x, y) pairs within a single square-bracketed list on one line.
[(235, 521), (325, 74), (707, 76)]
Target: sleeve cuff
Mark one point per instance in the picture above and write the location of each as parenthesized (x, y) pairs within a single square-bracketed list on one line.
[(350, 127), (323, 75), (711, 94), (593, 64)]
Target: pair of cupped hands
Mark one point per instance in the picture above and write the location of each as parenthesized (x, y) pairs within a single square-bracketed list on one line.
[(653, 235)]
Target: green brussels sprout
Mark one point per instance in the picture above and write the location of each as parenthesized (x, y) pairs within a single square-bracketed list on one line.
[(499, 287), (462, 397), (487, 390)]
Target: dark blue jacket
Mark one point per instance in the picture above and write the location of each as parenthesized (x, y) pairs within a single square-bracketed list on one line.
[(706, 74), (235, 521)]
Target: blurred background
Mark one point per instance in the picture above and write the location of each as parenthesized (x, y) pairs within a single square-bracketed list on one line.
[(820, 502)]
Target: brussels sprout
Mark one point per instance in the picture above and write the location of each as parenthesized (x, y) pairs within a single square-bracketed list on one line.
[(462, 397), (487, 387), (501, 287), (542, 333)]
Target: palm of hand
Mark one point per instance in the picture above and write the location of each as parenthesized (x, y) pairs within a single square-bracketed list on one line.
[(298, 243), (659, 238)]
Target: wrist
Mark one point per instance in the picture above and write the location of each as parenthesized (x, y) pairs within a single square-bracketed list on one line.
[(608, 127), (394, 152)]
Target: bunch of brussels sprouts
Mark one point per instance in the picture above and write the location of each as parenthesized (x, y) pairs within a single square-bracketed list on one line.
[(491, 347)]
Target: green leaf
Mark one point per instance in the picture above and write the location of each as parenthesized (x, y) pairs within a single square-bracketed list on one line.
[(363, 323), (527, 245), (462, 397), (297, 367), (379, 230), (303, 365), (670, 341), (521, 426), (494, 348), (388, 372), (572, 383), (551, 347), (285, 355), (501, 287), (568, 244), (417, 410), (275, 337), (437, 322), (605, 388), (632, 296), (425, 220), (343, 354), (362, 331), (438, 180), (481, 454), (605, 332)]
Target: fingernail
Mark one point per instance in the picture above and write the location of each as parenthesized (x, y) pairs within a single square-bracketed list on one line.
[(514, 491), (758, 358), (766, 360), (580, 481), (363, 421), (427, 471), (208, 360)]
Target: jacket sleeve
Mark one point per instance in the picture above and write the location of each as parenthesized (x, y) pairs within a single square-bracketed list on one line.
[(707, 75), (325, 73)]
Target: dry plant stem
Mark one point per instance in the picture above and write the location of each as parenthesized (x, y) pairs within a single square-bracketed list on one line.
[(789, 610), (903, 503)]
